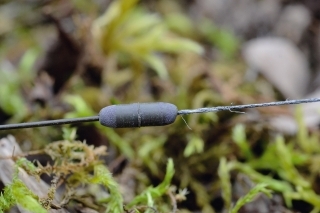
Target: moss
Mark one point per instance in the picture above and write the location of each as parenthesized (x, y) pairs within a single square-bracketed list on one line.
[(79, 165), (145, 51), (17, 193)]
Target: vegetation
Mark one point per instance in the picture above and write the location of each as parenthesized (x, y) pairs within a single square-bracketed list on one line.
[(139, 55)]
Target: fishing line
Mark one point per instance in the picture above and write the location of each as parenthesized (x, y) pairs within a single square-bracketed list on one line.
[(185, 122), (246, 106), (49, 123), (147, 114)]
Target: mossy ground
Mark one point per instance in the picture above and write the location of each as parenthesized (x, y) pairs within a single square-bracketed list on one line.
[(143, 52)]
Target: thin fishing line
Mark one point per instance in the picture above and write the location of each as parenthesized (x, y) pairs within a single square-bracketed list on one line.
[(49, 123), (239, 112), (185, 122), (147, 114), (246, 106)]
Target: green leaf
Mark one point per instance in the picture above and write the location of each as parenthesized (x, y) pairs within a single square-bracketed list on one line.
[(26, 71), (180, 23), (25, 198), (178, 45), (195, 146), (157, 64), (157, 191), (129, 31), (262, 187), (104, 177), (239, 137), (152, 148), (69, 133), (81, 108), (288, 170), (17, 193), (224, 175), (276, 185), (118, 141), (224, 40)]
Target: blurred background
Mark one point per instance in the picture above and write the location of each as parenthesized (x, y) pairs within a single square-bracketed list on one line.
[(68, 59)]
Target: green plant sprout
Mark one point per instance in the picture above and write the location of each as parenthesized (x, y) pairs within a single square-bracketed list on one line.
[(155, 192), (280, 158), (129, 30), (250, 196), (17, 193), (11, 99)]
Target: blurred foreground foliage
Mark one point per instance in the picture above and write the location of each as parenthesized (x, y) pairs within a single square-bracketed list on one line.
[(78, 165), (144, 56), (281, 160)]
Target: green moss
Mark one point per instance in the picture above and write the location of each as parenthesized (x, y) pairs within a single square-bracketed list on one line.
[(280, 158), (128, 30), (104, 177), (79, 165), (152, 193), (11, 99), (150, 56), (250, 196), (17, 193), (224, 175)]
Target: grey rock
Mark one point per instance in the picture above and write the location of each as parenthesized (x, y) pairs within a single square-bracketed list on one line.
[(293, 22), (311, 117), (246, 18), (281, 63)]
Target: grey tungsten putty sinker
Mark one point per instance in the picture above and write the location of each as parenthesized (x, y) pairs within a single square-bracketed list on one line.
[(138, 115), (147, 114)]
